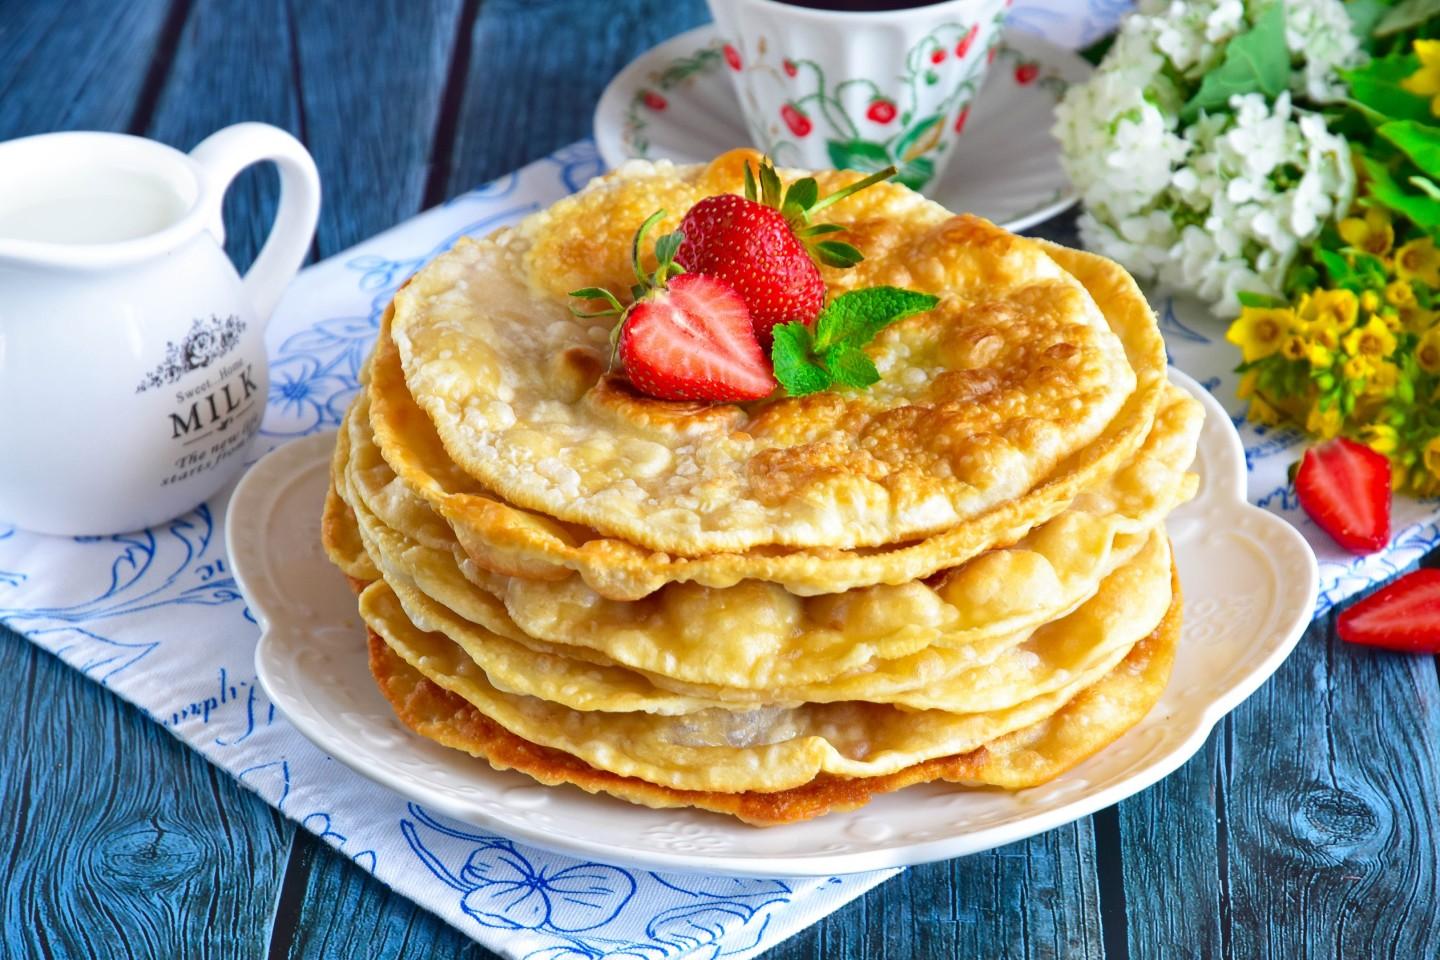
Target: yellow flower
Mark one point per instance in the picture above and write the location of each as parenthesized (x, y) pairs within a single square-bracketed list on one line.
[(1383, 378), (1427, 353), (1432, 456), (1416, 319), (1373, 341), (1319, 356), (1335, 309), (1373, 233), (1370, 301), (1425, 82), (1357, 368), (1380, 437), (1295, 348), (1398, 293), (1260, 331), (1261, 412), (1418, 259), (1325, 424)]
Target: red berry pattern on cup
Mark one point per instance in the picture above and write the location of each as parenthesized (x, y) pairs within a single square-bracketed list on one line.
[(798, 123), (937, 56), (654, 101), (1026, 73), (732, 57), (966, 42), (880, 111), (960, 120), (790, 68)]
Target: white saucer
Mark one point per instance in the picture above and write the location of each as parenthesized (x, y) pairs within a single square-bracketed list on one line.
[(676, 102), (1249, 582)]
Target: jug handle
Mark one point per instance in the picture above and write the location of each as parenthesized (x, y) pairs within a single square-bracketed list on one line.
[(221, 157)]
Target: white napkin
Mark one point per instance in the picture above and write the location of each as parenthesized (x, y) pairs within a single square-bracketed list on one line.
[(155, 616)]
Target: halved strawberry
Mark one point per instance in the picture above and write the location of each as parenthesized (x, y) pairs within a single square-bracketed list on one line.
[(685, 336), (1403, 616), (764, 245), (694, 341), (1345, 487)]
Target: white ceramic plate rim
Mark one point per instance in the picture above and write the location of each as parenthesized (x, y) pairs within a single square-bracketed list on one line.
[(1224, 492), (609, 117)]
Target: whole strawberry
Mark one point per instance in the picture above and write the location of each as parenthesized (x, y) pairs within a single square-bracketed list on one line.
[(685, 337), (765, 247)]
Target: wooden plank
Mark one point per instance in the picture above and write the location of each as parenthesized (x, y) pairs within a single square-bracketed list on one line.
[(537, 70), (345, 912), (1037, 899), (115, 838), (1307, 826), (371, 76), (75, 66)]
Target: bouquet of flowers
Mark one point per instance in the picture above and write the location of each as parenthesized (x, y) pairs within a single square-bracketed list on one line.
[(1280, 159)]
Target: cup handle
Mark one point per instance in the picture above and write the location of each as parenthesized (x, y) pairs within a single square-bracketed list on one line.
[(222, 156)]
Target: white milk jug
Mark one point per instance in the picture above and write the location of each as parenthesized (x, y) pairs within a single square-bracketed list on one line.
[(132, 355)]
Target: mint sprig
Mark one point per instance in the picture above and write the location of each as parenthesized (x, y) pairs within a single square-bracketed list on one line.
[(807, 362)]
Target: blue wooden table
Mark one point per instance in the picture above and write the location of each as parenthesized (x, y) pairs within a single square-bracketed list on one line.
[(1307, 827)]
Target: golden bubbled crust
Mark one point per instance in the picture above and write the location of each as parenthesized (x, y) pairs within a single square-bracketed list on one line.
[(982, 399)]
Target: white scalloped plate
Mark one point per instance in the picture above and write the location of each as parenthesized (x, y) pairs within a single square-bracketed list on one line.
[(1249, 581), (1006, 167)]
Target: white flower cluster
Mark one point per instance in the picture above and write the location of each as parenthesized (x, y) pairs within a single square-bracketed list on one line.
[(1224, 204)]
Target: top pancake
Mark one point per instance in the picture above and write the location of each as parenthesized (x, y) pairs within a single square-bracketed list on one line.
[(1011, 379)]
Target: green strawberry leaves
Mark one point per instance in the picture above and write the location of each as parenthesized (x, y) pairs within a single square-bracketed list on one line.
[(807, 362), (801, 201)]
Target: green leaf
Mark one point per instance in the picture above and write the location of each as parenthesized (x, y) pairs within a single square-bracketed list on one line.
[(1406, 14), (850, 366), (835, 253), (596, 293), (1364, 15), (1428, 187), (862, 155), (1376, 88), (1421, 209), (1341, 273), (856, 317), (1256, 61), (793, 357), (916, 173), (819, 229), (752, 192), (1259, 300), (800, 197), (922, 128), (1418, 141), (769, 185)]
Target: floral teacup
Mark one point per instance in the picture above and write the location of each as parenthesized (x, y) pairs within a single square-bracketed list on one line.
[(860, 91)]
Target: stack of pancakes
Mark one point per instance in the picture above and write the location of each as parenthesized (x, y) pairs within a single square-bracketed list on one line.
[(780, 608)]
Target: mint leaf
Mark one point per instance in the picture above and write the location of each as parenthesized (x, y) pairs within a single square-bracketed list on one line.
[(1256, 61), (850, 366), (856, 317), (793, 357)]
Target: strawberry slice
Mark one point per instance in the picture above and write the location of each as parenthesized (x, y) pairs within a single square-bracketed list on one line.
[(1345, 487), (694, 340), (1403, 616), (764, 245), (686, 336)]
